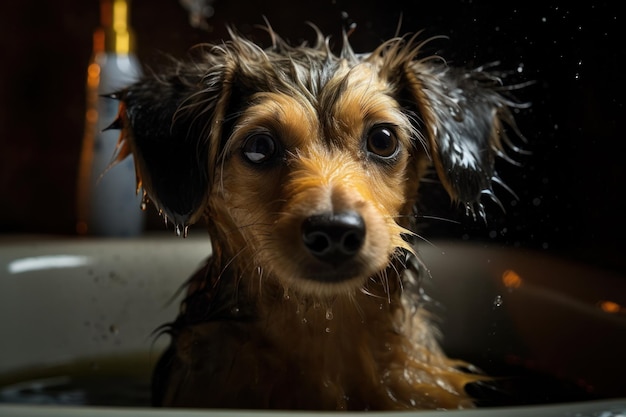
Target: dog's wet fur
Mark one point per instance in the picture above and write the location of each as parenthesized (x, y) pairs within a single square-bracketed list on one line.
[(306, 165)]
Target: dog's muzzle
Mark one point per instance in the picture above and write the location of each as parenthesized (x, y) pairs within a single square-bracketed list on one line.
[(334, 238)]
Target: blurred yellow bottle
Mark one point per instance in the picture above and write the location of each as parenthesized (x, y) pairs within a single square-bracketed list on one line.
[(108, 204)]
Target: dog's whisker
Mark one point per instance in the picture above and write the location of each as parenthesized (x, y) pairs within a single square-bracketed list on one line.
[(427, 241), (230, 262), (371, 294), (383, 281), (438, 218)]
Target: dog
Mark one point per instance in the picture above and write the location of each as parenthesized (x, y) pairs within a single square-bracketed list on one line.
[(306, 164)]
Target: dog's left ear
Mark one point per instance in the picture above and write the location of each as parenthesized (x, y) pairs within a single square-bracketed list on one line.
[(171, 124), (462, 114)]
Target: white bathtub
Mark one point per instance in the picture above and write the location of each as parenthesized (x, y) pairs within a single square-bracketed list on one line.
[(94, 303)]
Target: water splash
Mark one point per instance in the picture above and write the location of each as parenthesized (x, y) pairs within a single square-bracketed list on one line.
[(475, 210), (329, 313), (182, 230), (498, 301)]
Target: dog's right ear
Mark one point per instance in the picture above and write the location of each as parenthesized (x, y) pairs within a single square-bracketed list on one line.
[(171, 125), (464, 114)]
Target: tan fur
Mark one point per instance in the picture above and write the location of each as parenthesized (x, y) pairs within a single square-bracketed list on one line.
[(267, 323)]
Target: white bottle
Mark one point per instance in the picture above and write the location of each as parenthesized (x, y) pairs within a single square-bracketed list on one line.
[(108, 201)]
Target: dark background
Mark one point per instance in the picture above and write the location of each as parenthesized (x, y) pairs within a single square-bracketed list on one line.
[(570, 189)]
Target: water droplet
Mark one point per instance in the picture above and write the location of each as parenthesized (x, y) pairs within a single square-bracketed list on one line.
[(144, 201), (234, 310), (329, 313), (457, 113), (186, 231), (304, 320), (498, 301), (177, 230), (286, 294), (327, 330)]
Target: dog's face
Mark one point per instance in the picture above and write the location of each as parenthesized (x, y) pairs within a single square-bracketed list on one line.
[(316, 185), (307, 164)]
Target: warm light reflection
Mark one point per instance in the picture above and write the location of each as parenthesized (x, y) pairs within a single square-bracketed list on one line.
[(511, 279), (120, 15), (99, 41), (93, 75), (122, 42), (93, 70), (91, 115), (120, 27), (611, 307)]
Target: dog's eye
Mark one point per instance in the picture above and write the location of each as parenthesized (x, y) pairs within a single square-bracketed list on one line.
[(259, 148), (382, 142)]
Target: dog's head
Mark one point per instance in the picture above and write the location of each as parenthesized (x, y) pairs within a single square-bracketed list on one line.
[(308, 163)]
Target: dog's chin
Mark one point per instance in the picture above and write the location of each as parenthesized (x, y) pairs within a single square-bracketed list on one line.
[(320, 279)]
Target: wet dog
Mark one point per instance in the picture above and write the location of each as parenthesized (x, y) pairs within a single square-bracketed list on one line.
[(306, 164)]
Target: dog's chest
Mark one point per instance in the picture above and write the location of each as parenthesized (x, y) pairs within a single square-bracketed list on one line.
[(318, 358), (303, 363)]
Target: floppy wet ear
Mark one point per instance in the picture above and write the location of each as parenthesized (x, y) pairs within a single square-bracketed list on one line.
[(463, 113), (169, 124)]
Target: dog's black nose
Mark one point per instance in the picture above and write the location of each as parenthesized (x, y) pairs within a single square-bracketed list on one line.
[(334, 237)]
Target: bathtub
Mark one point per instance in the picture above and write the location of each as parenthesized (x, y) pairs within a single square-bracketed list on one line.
[(84, 311)]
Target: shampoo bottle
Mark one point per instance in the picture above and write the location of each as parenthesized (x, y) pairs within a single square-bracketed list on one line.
[(108, 201)]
